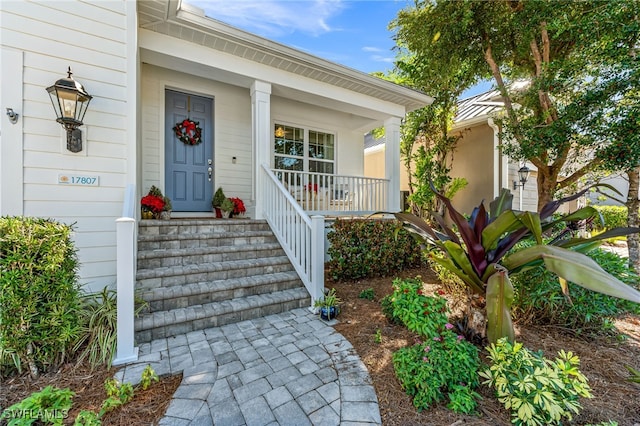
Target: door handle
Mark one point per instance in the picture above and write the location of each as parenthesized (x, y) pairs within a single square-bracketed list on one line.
[(210, 171)]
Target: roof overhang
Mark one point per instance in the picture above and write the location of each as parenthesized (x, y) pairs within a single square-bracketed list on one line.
[(174, 32)]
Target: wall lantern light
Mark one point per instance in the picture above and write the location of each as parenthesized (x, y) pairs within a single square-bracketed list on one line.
[(70, 101), (523, 175)]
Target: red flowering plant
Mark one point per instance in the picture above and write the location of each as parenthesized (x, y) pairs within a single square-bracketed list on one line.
[(153, 203), (238, 206)]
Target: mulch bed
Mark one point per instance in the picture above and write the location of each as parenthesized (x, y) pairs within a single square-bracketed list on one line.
[(602, 361), (146, 408)]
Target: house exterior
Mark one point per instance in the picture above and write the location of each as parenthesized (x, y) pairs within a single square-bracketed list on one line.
[(148, 65), (477, 157)]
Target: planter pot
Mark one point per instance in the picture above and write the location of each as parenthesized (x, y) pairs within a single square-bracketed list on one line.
[(165, 215), (218, 212), (147, 214), (329, 313), (226, 214)]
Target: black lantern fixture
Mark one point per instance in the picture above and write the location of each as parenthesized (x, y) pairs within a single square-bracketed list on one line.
[(70, 101), (523, 175)]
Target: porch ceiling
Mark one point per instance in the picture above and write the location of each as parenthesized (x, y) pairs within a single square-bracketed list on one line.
[(187, 23)]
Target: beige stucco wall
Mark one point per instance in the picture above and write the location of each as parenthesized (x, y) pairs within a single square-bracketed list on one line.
[(473, 160), (374, 166)]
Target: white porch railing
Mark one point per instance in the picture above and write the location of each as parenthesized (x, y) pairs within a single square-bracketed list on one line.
[(301, 236), (125, 278), (324, 193)]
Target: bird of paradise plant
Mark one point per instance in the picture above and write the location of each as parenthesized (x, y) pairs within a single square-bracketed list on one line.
[(479, 253)]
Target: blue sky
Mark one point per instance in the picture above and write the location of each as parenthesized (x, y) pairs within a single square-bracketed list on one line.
[(350, 32)]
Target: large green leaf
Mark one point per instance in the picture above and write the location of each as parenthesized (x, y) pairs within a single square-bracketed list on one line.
[(532, 222), (499, 300), (505, 223), (461, 260), (500, 204), (574, 267), (448, 264), (611, 233)]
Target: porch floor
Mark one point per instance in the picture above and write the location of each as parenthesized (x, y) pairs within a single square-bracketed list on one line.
[(288, 369)]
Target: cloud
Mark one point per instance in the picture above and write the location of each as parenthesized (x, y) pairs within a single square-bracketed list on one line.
[(379, 55), (270, 18), (380, 58)]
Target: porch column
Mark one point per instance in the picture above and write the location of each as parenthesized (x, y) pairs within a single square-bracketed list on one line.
[(261, 134), (392, 162)]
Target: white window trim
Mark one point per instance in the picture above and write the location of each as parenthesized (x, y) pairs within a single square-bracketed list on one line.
[(306, 157)]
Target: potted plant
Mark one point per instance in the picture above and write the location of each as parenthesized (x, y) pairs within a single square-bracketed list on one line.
[(227, 207), (216, 203), (152, 204), (329, 305), (238, 206), (165, 214)]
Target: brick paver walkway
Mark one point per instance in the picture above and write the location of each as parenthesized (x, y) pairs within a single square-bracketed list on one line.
[(284, 369)]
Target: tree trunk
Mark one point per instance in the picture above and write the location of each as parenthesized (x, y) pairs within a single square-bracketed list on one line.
[(633, 204), (546, 188)]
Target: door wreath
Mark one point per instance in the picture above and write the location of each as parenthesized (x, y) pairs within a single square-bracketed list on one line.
[(188, 131)]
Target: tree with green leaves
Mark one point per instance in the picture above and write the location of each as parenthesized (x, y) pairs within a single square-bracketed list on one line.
[(578, 59), (426, 144)]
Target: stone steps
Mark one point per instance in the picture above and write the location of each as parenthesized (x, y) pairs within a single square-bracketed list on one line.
[(196, 274), (157, 325), (167, 298), (160, 258)]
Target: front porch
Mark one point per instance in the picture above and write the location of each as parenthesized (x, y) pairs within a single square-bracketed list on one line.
[(201, 273)]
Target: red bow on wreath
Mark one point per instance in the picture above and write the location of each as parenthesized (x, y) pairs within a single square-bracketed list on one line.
[(188, 131)]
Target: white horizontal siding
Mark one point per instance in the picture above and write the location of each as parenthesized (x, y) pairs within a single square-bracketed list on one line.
[(92, 38)]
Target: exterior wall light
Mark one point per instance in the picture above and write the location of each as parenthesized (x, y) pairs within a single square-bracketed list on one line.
[(13, 116), (523, 175), (70, 101)]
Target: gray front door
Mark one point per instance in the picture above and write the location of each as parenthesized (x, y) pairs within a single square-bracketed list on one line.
[(188, 181)]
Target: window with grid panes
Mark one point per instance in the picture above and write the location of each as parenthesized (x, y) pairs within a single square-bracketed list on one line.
[(303, 150)]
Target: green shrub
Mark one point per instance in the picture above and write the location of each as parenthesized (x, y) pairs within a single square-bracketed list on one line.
[(370, 248), (539, 298), (49, 406), (445, 365), (367, 294), (39, 293), (87, 418), (613, 216), (148, 377), (536, 390), (99, 317), (387, 309), (98, 339), (421, 314), (117, 394)]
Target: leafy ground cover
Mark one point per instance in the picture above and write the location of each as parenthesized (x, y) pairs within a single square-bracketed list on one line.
[(602, 361), (362, 322), (146, 408)]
